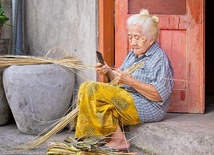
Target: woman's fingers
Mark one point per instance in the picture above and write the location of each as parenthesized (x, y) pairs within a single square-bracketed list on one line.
[(98, 65), (101, 69), (123, 76)]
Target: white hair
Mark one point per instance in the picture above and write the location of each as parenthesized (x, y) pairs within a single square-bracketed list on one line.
[(148, 23)]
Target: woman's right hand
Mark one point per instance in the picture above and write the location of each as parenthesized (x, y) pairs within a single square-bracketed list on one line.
[(102, 69)]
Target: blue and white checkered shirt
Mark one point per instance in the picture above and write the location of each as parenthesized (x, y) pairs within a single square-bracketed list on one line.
[(157, 71)]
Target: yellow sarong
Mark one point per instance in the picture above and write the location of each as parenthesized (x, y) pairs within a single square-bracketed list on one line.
[(102, 107)]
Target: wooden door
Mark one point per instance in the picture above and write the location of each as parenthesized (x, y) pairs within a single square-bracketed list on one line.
[(181, 36)]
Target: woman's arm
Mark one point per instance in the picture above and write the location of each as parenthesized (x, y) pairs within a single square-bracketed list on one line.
[(146, 90)]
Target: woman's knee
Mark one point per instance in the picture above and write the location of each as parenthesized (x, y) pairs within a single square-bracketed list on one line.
[(88, 87)]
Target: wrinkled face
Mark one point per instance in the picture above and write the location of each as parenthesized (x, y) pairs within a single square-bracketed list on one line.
[(139, 43)]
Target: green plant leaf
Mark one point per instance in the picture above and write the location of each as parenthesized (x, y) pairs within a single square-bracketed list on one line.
[(1, 11), (3, 17)]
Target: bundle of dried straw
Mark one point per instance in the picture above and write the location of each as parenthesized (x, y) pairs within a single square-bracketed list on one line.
[(87, 147), (69, 62)]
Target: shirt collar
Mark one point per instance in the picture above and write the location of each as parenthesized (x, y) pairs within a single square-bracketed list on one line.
[(152, 49)]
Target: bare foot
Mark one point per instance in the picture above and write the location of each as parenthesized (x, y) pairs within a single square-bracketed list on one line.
[(118, 141), (119, 145)]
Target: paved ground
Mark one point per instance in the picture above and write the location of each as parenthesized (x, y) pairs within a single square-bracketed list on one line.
[(11, 138), (178, 134)]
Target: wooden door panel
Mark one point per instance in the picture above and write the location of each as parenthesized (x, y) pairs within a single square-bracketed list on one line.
[(179, 102), (172, 7), (173, 42), (181, 36)]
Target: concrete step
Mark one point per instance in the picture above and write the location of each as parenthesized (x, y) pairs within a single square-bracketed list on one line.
[(178, 134)]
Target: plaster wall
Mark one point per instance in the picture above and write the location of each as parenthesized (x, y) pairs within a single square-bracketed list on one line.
[(67, 27)]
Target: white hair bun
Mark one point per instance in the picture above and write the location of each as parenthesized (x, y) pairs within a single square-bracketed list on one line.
[(156, 19), (145, 12)]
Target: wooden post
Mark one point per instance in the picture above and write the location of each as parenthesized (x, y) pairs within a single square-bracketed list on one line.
[(106, 32)]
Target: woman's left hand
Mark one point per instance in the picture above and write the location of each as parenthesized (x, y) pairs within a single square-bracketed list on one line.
[(102, 69), (123, 77)]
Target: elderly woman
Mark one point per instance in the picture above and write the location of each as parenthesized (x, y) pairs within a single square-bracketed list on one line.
[(142, 95)]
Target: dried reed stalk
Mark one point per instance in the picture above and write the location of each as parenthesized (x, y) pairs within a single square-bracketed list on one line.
[(130, 70), (69, 62), (59, 126)]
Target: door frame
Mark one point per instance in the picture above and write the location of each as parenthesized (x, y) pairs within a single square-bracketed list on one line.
[(106, 32)]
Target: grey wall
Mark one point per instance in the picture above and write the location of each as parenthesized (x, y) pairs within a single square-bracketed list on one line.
[(68, 24)]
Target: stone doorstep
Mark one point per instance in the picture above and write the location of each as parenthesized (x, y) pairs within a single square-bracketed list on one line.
[(180, 134)]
